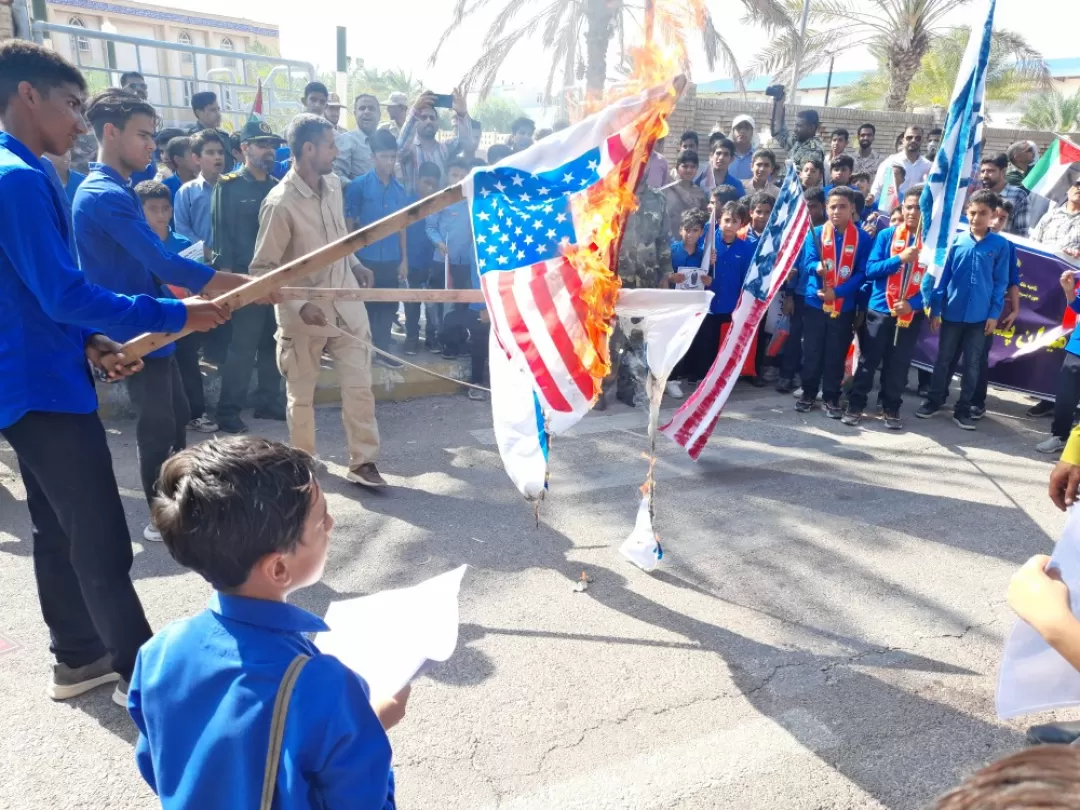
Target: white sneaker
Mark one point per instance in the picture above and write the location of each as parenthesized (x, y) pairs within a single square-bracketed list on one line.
[(1054, 444), (203, 424), (674, 390), (151, 534)]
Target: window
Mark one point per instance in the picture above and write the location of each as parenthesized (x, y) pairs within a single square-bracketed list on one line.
[(184, 38), (189, 91), (227, 45), (80, 44)]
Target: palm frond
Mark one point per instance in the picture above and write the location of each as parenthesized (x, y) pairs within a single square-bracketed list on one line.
[(772, 15), (481, 76), (461, 10)]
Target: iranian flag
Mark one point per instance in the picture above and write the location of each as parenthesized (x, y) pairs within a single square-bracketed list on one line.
[(257, 105), (1052, 167)]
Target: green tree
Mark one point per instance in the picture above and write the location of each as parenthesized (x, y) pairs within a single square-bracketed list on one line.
[(899, 33), (577, 34), (497, 113), (1053, 111), (1014, 68)]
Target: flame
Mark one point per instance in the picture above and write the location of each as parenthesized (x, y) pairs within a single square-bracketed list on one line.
[(602, 213)]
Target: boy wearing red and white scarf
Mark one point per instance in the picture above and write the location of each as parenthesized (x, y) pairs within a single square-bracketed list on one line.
[(894, 316), (835, 255)]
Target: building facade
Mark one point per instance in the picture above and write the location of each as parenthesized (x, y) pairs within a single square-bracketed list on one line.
[(172, 76)]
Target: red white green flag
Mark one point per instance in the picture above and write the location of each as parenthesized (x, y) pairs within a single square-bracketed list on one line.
[(257, 105), (1052, 167)]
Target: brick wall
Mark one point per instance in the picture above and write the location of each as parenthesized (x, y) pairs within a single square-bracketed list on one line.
[(706, 114)]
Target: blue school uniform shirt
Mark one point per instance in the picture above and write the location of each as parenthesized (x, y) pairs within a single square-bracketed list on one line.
[(418, 245), (174, 242), (367, 200), (65, 201), (149, 173), (75, 179), (974, 279), (729, 273), (172, 182), (202, 696), (879, 267), (730, 180), (848, 290), (451, 227), (48, 310), (191, 211), (119, 251), (680, 257)]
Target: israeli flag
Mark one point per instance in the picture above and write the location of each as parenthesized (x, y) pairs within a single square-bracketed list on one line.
[(957, 159)]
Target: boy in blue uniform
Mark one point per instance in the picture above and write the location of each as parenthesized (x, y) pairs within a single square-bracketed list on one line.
[(894, 315), (369, 198), (731, 260), (51, 326), (686, 252), (795, 299), (966, 305), (118, 250), (422, 269), (204, 688), (450, 231), (835, 266)]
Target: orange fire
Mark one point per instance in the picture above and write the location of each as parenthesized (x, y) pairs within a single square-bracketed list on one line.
[(605, 210)]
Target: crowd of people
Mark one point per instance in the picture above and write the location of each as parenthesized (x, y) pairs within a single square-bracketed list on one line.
[(90, 261)]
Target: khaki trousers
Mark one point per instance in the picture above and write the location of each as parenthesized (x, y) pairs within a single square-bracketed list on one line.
[(299, 359)]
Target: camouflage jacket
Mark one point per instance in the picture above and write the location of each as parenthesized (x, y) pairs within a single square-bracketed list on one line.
[(645, 255), (800, 151)]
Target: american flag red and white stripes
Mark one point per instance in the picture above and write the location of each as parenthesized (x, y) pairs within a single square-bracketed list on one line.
[(777, 252)]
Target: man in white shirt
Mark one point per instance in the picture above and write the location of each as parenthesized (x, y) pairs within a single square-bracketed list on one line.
[(354, 155), (915, 166)]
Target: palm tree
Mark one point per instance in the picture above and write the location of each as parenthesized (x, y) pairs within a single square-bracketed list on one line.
[(1052, 111), (1014, 68), (898, 32), (577, 34), (777, 59)]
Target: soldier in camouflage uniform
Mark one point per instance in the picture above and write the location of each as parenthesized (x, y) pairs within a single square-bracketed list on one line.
[(644, 259), (802, 142)]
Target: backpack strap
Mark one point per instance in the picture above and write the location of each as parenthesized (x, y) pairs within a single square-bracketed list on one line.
[(277, 729)]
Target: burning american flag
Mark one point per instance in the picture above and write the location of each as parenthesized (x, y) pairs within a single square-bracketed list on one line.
[(547, 224)]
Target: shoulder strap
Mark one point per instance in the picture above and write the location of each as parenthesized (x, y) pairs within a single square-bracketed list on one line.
[(277, 729)]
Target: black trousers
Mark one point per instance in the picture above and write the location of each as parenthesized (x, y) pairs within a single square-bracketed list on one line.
[(187, 360), (956, 339), (826, 341), (876, 349), (161, 417), (381, 314), (462, 326), (792, 355), (252, 347), (82, 548), (978, 400), (1068, 396), (697, 361)]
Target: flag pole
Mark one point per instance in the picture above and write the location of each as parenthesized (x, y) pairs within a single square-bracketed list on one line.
[(905, 277), (262, 286)]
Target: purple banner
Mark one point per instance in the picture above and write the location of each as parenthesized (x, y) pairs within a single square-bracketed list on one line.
[(1027, 356)]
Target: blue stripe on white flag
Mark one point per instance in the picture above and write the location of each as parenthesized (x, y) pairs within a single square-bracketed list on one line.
[(957, 158)]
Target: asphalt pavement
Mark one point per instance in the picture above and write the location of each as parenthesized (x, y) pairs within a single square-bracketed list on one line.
[(824, 630)]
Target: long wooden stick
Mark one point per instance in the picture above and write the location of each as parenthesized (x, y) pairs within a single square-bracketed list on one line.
[(382, 294), (306, 265)]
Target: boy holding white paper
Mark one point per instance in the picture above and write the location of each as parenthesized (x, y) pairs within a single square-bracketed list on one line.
[(249, 515)]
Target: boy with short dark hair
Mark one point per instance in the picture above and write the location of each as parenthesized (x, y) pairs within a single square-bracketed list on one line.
[(836, 256), (795, 299), (760, 208), (684, 195), (840, 170), (722, 150), (965, 306), (762, 169), (249, 516), (812, 173), (181, 161), (157, 208), (894, 315)]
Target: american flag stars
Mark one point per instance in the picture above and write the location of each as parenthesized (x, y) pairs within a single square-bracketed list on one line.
[(521, 218)]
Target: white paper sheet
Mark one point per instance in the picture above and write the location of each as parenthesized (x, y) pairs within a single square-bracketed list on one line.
[(1033, 676), (389, 636), (195, 252), (691, 279)]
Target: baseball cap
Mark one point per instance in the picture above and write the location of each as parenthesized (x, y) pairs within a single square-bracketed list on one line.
[(334, 100), (397, 99), (743, 119)]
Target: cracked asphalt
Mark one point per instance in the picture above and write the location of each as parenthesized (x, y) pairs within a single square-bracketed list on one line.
[(824, 631)]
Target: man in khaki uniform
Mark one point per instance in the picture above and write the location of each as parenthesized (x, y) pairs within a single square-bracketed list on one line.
[(302, 213)]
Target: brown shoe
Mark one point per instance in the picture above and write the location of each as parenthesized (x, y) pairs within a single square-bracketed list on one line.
[(366, 475)]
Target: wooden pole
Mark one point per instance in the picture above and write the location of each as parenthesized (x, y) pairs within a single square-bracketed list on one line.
[(300, 268), (388, 295)]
